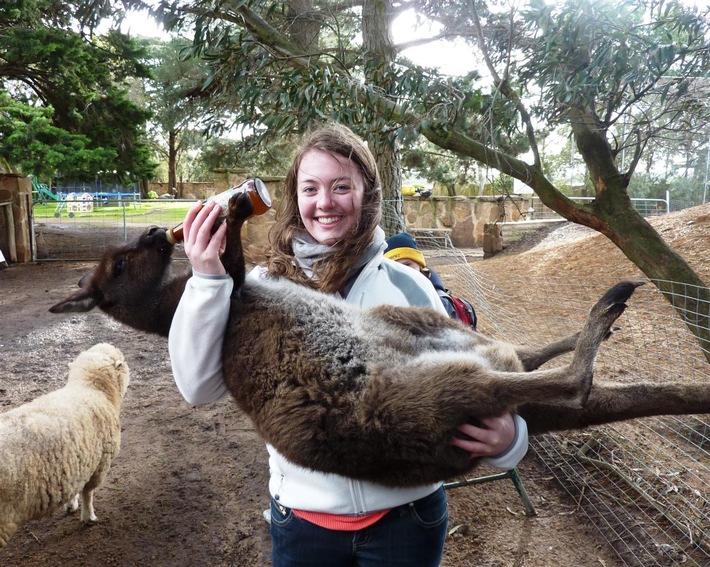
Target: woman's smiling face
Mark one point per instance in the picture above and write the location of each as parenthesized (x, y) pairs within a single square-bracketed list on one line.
[(330, 190)]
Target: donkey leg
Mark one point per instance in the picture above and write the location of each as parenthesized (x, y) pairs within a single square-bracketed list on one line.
[(609, 402), (238, 210)]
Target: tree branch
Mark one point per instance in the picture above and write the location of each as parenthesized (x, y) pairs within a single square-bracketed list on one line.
[(503, 85)]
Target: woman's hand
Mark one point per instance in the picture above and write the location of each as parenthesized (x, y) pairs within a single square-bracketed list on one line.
[(491, 438), (202, 248)]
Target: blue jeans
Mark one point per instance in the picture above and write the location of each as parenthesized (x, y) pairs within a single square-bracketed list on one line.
[(411, 535)]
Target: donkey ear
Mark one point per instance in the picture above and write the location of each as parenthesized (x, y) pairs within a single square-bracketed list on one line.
[(80, 302)]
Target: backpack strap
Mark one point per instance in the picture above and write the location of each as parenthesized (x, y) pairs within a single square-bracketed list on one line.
[(458, 308)]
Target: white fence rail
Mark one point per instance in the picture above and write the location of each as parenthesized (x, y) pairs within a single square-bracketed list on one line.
[(646, 207)]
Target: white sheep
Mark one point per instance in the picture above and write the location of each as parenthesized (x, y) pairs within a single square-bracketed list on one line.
[(62, 444)]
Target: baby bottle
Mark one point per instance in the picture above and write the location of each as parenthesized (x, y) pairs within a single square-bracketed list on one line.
[(254, 188)]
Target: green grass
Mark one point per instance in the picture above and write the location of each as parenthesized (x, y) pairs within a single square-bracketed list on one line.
[(169, 212)]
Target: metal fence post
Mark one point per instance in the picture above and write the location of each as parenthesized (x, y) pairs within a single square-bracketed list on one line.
[(125, 222)]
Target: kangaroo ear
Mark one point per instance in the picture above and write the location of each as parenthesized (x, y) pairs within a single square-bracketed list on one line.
[(86, 278), (80, 302)]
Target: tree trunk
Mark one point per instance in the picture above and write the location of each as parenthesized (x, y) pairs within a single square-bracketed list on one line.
[(304, 25), (683, 288), (172, 163), (379, 54), (144, 187), (635, 237), (387, 157)]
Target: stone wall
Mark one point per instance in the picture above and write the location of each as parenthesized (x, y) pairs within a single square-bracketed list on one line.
[(465, 217)]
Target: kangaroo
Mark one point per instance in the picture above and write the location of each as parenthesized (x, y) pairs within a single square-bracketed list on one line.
[(374, 394)]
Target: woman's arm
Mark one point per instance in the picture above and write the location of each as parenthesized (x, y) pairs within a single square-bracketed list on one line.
[(196, 338), (198, 327)]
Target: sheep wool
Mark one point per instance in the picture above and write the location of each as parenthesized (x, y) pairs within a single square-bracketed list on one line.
[(61, 445)]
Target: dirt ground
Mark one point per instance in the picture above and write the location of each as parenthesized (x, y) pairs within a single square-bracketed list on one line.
[(190, 483)]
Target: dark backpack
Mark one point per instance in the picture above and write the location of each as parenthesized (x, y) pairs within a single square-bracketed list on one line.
[(459, 309)]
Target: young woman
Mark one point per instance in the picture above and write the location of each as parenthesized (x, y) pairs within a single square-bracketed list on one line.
[(327, 237)]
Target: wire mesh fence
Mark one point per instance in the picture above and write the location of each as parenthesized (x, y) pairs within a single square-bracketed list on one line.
[(644, 484), (645, 207), (83, 229)]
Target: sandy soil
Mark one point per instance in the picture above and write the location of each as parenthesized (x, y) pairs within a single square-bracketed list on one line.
[(190, 483)]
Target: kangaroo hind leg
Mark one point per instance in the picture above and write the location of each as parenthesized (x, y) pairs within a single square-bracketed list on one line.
[(596, 329)]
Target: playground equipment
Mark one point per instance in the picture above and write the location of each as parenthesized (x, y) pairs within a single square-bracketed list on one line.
[(85, 202), (81, 197), (41, 191), (75, 203)]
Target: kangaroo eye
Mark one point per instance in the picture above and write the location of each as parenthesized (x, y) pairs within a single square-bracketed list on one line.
[(119, 266)]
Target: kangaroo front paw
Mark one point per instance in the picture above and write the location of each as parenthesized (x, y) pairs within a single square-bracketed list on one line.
[(239, 208)]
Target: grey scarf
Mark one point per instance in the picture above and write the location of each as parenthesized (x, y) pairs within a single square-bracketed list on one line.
[(307, 251)]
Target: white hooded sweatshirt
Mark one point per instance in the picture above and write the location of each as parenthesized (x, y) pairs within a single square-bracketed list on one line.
[(195, 345)]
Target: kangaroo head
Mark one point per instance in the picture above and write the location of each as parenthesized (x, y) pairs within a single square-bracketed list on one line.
[(127, 275)]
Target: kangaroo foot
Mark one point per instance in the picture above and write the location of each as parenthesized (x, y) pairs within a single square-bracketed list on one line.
[(609, 308), (239, 208)]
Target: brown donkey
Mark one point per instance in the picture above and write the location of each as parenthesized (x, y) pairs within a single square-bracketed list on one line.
[(374, 394)]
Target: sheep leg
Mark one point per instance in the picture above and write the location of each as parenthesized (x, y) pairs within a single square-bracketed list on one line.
[(239, 209), (73, 505), (7, 530), (88, 516)]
